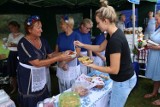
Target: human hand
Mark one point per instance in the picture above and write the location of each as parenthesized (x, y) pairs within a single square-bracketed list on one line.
[(103, 58), (149, 46), (68, 51), (89, 65), (64, 56), (78, 43), (65, 67)]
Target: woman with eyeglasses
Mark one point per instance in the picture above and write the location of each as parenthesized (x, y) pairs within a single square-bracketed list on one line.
[(119, 64), (84, 31), (67, 71), (12, 42), (35, 56)]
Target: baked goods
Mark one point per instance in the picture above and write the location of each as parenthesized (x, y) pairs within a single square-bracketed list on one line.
[(99, 86), (85, 60), (80, 88), (72, 54), (104, 76), (12, 44), (98, 81), (82, 91)]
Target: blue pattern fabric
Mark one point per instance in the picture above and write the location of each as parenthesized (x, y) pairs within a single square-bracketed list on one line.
[(95, 95)]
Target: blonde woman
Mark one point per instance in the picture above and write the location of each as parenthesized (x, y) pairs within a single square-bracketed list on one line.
[(84, 31), (119, 65), (67, 71)]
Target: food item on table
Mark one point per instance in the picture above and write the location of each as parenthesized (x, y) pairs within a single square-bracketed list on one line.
[(11, 44), (89, 79), (104, 76), (98, 81), (99, 86), (69, 99), (85, 60), (82, 91), (80, 88), (72, 54)]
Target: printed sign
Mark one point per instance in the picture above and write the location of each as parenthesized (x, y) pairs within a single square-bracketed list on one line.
[(134, 1)]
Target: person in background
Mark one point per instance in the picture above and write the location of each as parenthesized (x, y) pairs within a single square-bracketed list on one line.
[(150, 26), (130, 23), (121, 22), (153, 68), (12, 43), (67, 71), (99, 57), (119, 64), (35, 56), (84, 31)]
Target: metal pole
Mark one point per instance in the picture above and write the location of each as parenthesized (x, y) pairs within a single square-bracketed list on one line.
[(91, 17), (133, 22)]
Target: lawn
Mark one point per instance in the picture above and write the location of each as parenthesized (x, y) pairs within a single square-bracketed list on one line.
[(135, 99), (2, 50)]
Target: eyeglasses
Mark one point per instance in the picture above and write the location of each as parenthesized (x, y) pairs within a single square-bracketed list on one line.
[(32, 19), (88, 28)]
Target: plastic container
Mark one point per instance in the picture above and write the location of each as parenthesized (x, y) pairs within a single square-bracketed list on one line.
[(69, 99), (48, 102), (80, 88)]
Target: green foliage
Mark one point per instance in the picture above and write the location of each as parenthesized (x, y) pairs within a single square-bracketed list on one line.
[(2, 50), (135, 51), (5, 19)]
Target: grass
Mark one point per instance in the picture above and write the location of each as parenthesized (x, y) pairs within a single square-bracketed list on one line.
[(135, 98), (2, 50)]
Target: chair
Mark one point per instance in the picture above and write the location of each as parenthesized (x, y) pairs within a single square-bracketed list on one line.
[(142, 60)]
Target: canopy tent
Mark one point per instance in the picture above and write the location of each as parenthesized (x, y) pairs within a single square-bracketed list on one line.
[(47, 10), (70, 3)]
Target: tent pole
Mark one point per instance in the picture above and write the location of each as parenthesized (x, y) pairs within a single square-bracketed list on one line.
[(133, 21), (91, 17)]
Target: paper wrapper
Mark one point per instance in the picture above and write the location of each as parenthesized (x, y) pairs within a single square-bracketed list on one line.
[(91, 81)]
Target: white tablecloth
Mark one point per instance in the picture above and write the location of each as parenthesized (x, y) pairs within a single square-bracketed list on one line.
[(96, 97), (5, 100), (8, 103)]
